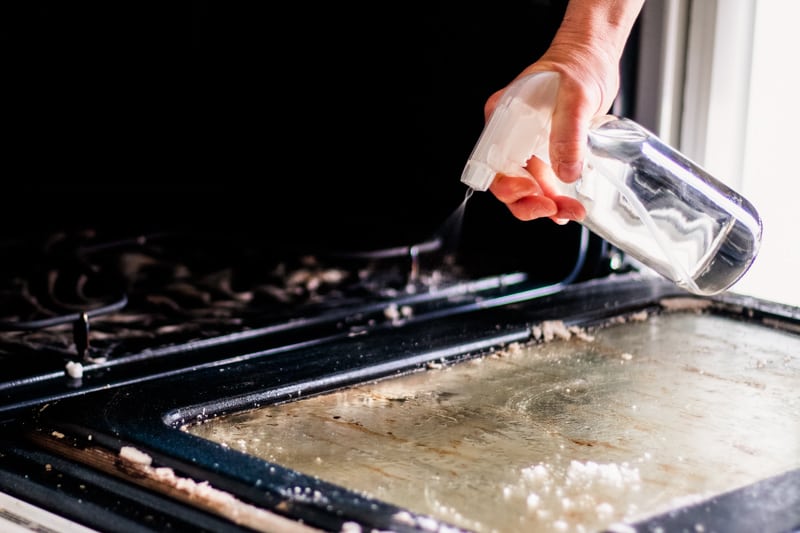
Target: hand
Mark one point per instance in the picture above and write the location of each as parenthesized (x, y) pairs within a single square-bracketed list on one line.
[(529, 198), (585, 53)]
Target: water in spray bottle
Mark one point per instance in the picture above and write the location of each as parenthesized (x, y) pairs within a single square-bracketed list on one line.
[(640, 195)]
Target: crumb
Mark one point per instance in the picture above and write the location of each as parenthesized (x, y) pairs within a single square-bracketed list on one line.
[(551, 329), (131, 454), (74, 369), (581, 334), (350, 527), (513, 348), (392, 312), (212, 499), (404, 517), (685, 304)]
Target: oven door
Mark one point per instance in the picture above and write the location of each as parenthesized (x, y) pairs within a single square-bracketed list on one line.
[(617, 404)]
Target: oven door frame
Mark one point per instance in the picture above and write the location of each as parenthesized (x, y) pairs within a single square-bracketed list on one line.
[(98, 425)]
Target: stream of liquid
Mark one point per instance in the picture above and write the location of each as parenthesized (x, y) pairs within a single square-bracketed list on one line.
[(451, 229)]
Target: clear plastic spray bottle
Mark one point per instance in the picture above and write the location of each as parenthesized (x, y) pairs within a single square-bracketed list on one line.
[(640, 195)]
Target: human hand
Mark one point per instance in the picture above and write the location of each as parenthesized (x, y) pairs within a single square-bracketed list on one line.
[(585, 53)]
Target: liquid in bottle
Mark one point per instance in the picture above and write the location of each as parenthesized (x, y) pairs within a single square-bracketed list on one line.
[(640, 194)]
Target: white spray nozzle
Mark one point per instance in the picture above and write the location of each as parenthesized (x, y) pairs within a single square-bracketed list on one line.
[(518, 128)]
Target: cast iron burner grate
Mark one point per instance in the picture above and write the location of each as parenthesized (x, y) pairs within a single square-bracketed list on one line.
[(79, 297)]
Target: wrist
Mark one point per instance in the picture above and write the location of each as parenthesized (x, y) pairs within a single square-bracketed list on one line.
[(598, 26)]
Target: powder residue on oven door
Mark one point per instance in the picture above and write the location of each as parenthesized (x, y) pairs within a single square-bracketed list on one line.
[(575, 434)]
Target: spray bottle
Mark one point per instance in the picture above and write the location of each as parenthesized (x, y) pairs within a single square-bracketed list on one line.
[(640, 195)]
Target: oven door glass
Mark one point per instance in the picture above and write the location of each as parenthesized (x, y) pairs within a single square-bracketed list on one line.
[(576, 431)]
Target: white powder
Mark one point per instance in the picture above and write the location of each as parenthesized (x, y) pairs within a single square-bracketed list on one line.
[(131, 454), (391, 312), (350, 527), (74, 369), (550, 330), (586, 494), (210, 498), (685, 304)]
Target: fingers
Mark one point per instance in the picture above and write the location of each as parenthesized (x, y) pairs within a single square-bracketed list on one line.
[(509, 189), (568, 209), (527, 199), (569, 132), (523, 197), (533, 207), (586, 84)]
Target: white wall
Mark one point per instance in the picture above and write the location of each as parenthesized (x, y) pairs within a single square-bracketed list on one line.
[(740, 119), (771, 172)]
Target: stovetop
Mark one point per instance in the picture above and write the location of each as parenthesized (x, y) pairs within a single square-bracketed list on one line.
[(84, 310), (81, 298)]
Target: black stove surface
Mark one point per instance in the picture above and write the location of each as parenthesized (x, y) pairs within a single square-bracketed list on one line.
[(156, 290), (83, 310)]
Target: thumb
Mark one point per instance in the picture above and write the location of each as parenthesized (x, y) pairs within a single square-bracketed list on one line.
[(568, 135)]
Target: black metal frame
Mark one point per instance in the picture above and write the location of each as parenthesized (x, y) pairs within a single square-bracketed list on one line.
[(148, 415)]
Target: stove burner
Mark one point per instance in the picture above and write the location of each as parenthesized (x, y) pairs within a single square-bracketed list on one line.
[(82, 297)]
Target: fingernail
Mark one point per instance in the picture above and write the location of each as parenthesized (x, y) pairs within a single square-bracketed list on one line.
[(570, 214), (569, 172)]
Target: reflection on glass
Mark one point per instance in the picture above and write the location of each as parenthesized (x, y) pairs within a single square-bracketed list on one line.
[(568, 435)]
